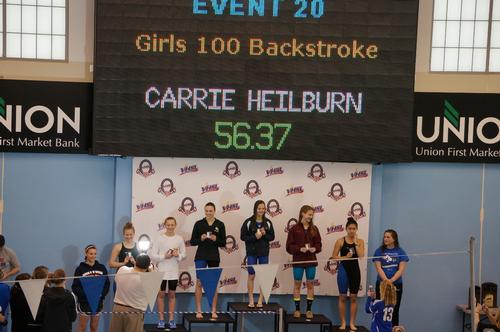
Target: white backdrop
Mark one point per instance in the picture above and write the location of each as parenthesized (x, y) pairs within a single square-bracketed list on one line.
[(180, 188)]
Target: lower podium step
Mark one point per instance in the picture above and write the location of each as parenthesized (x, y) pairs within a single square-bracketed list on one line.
[(153, 328), (225, 319), (360, 329)]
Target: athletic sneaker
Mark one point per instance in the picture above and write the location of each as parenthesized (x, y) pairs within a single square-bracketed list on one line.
[(171, 324), (161, 324)]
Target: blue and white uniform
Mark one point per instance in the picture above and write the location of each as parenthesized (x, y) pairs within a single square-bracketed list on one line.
[(381, 315)]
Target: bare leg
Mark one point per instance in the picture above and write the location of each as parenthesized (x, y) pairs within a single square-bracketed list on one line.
[(354, 309), (171, 305), (251, 279), (197, 297), (94, 323), (161, 305), (261, 298), (342, 299), (296, 289), (82, 322), (214, 304)]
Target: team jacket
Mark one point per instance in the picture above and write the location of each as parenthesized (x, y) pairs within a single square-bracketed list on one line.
[(297, 238), (85, 270), (253, 246)]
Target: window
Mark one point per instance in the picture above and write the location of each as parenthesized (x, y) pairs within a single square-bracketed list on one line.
[(466, 36), (33, 29)]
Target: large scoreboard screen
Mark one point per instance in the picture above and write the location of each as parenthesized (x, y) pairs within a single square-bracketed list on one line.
[(255, 79)]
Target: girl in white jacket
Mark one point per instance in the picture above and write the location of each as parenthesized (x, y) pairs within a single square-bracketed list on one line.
[(167, 252)]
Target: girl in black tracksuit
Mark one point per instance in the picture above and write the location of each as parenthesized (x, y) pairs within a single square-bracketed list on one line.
[(257, 231), (90, 267)]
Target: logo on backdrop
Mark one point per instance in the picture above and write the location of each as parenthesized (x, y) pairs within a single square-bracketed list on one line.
[(145, 168), (276, 284), (209, 188), (187, 206), (453, 122), (336, 192), (232, 170), (230, 207), (316, 173), (231, 245), (274, 245), (166, 187), (189, 169), (51, 118), (331, 267), (292, 222), (357, 211), (274, 171), (185, 281), (316, 283), (359, 174), (287, 266), (319, 209), (228, 281), (145, 206), (252, 189), (456, 127), (334, 229), (294, 190), (273, 208)]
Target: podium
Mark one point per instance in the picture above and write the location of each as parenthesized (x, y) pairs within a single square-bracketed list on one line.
[(153, 328), (241, 308), (360, 329), (225, 319), (324, 323)]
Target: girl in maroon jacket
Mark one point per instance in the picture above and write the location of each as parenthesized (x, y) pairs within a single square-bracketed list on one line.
[(303, 243)]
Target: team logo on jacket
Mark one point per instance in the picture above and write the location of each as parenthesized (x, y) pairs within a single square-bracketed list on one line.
[(231, 245), (274, 245), (291, 222), (274, 171), (185, 281), (335, 229), (232, 170), (228, 281), (357, 211), (252, 189), (359, 174), (189, 169), (144, 206), (331, 266), (316, 173), (230, 207), (145, 168), (336, 192), (209, 188), (294, 190), (187, 206), (166, 187), (273, 207)]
